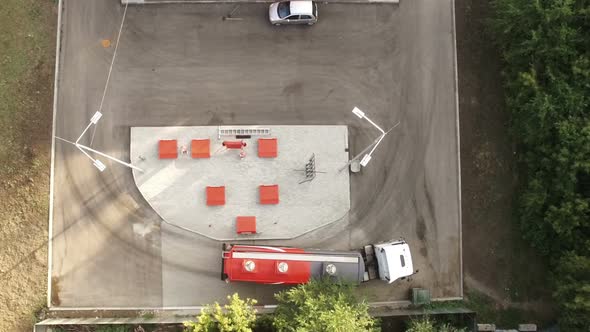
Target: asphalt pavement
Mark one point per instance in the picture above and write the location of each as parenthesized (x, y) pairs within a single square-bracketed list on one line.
[(183, 65)]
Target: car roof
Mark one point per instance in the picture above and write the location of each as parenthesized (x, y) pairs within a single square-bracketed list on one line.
[(301, 7)]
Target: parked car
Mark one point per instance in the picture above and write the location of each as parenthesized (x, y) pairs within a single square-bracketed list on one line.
[(293, 12)]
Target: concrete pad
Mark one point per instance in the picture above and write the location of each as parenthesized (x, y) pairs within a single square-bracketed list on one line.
[(176, 189)]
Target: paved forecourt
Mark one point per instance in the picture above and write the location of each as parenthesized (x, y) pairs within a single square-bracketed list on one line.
[(183, 65), (176, 188)]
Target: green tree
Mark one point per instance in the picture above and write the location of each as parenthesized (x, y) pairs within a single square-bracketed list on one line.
[(572, 280), (322, 305), (546, 49), (237, 316)]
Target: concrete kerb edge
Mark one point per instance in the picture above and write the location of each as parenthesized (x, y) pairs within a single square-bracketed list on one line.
[(171, 2), (195, 310), (177, 315), (198, 308), (52, 167), (457, 126)]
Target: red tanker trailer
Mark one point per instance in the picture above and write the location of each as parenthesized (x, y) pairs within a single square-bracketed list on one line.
[(285, 265)]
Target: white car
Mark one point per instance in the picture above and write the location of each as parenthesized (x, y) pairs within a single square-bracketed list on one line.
[(293, 12)]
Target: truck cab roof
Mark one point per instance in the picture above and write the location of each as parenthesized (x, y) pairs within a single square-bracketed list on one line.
[(395, 260)]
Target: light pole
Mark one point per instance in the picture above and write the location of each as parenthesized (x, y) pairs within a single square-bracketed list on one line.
[(97, 163), (367, 157)]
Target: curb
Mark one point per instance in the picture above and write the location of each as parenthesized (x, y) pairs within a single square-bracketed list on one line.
[(160, 2), (52, 167), (190, 310), (458, 132)]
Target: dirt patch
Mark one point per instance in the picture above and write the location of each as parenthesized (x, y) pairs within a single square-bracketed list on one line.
[(496, 262), (55, 291), (26, 98)]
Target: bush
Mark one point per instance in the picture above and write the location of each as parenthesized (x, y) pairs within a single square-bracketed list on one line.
[(421, 325), (264, 323), (426, 324), (237, 316), (322, 305)]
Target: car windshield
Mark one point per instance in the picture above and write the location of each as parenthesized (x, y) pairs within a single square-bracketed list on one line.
[(284, 9)]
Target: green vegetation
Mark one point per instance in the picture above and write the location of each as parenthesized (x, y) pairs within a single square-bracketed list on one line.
[(237, 316), (546, 49), (27, 48), (488, 312), (573, 290), (148, 315), (322, 305), (426, 324)]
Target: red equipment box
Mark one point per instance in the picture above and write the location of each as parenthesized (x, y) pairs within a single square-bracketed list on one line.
[(246, 225), (200, 148), (168, 149), (215, 196), (267, 148), (269, 194)]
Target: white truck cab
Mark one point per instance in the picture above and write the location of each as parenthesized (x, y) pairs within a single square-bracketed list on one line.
[(394, 260)]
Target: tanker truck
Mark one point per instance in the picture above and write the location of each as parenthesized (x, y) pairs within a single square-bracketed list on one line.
[(388, 261)]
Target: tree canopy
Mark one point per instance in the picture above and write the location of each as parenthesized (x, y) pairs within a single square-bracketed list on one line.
[(573, 291), (546, 48), (322, 305)]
